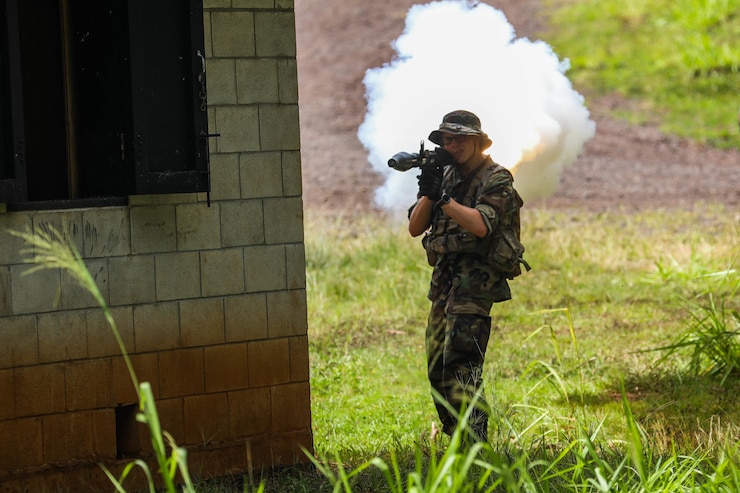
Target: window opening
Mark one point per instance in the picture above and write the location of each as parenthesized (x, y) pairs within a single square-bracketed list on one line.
[(109, 100)]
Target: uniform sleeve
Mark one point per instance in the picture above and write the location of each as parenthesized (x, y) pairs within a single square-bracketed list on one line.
[(495, 193)]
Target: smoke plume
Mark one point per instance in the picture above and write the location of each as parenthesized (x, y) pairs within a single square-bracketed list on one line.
[(454, 55)]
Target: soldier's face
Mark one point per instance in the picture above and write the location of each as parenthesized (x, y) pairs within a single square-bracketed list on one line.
[(462, 147)]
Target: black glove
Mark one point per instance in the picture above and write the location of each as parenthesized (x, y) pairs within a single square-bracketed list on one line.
[(444, 158), (430, 182)]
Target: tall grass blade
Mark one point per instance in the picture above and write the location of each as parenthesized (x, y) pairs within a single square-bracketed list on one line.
[(53, 249)]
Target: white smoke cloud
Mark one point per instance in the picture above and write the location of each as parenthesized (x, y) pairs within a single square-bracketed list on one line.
[(454, 55)]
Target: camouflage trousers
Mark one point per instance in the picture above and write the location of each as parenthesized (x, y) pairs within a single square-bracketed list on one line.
[(456, 348)]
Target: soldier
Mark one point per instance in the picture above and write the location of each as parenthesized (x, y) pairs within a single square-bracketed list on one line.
[(458, 209)]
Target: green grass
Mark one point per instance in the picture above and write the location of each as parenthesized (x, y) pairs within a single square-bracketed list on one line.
[(678, 60), (605, 289)]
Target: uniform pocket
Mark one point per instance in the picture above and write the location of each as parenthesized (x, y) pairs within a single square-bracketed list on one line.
[(470, 334)]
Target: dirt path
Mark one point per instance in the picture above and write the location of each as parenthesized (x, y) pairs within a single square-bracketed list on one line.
[(623, 166)]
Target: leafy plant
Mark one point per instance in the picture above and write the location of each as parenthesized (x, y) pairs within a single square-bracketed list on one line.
[(712, 339)]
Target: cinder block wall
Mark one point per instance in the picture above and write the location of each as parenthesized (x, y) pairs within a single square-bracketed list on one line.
[(210, 301)]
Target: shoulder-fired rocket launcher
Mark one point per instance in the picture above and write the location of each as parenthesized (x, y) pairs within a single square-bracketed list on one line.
[(404, 161)]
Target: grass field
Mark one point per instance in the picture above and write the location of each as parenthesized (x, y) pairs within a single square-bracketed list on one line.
[(576, 344), (678, 60)]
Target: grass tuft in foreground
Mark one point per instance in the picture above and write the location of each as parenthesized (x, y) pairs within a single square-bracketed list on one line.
[(52, 249)]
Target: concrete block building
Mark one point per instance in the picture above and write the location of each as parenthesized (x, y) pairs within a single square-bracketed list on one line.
[(163, 138)]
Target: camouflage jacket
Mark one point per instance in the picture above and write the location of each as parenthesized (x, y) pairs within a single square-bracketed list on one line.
[(461, 275)]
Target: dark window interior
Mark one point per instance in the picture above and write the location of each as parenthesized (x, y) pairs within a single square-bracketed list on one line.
[(107, 99), (99, 87), (12, 164), (43, 99), (6, 142)]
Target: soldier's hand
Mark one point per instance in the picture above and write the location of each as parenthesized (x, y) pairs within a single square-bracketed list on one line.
[(430, 183)]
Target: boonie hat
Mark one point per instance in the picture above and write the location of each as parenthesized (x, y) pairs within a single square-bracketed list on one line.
[(460, 122)]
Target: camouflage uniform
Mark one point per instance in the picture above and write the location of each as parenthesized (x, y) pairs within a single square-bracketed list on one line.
[(463, 289)]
